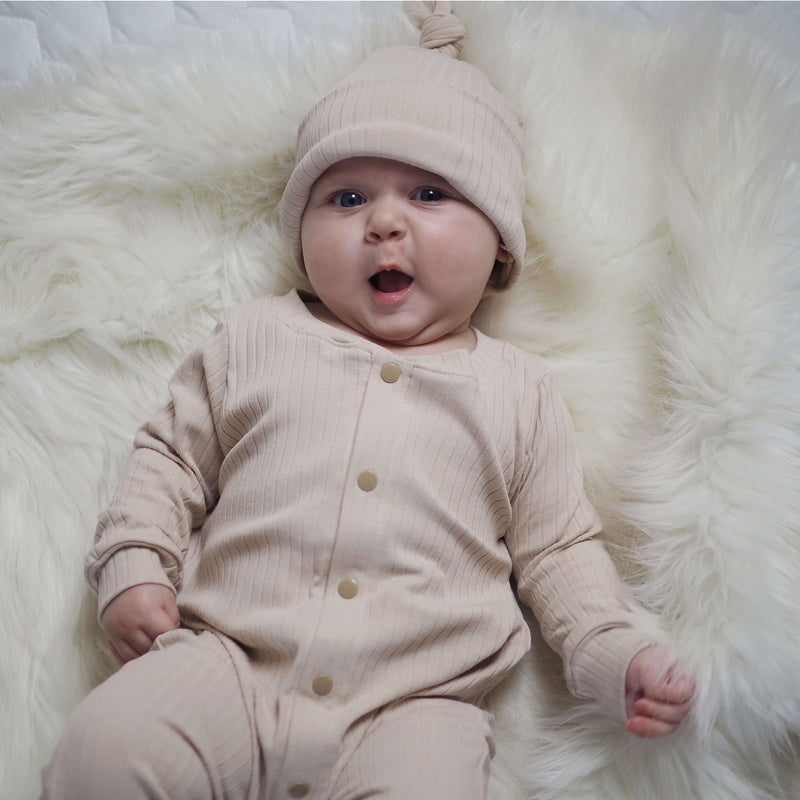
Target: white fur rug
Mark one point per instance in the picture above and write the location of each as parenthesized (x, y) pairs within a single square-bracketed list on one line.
[(663, 280)]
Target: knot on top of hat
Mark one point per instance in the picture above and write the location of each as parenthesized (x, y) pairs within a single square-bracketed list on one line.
[(440, 30)]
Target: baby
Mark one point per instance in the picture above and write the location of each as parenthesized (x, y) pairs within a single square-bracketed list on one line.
[(306, 569)]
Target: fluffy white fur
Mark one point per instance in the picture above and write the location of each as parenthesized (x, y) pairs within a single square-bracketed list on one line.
[(139, 199)]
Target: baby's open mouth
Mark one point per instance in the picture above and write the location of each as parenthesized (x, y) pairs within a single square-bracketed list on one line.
[(391, 281)]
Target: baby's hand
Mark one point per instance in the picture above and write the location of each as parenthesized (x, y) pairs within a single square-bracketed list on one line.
[(134, 618), (658, 692)]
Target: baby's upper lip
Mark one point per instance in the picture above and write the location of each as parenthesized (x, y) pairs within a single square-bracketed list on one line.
[(389, 267), (392, 266)]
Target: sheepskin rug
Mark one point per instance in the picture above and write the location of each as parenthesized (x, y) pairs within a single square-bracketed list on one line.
[(138, 198)]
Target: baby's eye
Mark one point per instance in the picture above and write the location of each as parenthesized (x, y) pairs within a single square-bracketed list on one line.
[(428, 194), (348, 199)]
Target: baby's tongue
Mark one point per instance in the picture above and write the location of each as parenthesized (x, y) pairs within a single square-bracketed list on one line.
[(392, 280)]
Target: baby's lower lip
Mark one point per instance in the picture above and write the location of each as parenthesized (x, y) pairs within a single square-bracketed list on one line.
[(391, 298)]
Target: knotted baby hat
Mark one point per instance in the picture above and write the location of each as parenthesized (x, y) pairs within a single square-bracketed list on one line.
[(424, 107)]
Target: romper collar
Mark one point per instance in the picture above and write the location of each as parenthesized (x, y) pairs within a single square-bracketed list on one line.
[(291, 309)]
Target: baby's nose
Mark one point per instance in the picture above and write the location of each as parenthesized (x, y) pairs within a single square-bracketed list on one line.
[(386, 222)]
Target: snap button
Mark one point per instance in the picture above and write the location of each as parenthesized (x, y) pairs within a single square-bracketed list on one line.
[(367, 480), (299, 789), (322, 685), (347, 588), (390, 372)]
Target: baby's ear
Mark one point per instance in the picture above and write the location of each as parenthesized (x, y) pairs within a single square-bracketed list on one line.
[(499, 274), (496, 279)]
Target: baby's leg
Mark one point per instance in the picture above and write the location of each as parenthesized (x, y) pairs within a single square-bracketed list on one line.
[(426, 749), (171, 724)]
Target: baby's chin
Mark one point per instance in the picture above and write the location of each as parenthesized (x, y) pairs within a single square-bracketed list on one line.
[(421, 340)]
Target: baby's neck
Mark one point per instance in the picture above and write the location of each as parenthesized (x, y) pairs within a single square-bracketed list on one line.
[(463, 340)]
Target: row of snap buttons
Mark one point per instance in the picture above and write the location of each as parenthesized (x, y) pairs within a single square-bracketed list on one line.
[(367, 481)]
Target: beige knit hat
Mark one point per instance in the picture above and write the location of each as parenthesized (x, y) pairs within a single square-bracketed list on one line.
[(424, 107)]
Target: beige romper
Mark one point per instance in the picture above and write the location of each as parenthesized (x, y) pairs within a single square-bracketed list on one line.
[(341, 525)]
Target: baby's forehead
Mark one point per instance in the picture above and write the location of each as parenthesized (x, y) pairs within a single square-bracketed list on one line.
[(374, 167)]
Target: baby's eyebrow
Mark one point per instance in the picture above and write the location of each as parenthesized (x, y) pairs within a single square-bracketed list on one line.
[(327, 187), (340, 182)]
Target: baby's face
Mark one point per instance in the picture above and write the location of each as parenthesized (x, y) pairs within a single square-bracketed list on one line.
[(395, 253)]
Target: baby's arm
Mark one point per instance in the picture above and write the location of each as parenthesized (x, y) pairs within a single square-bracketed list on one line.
[(166, 490), (134, 618), (565, 574), (658, 692)]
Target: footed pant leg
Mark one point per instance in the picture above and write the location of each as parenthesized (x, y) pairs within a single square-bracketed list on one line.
[(425, 749), (173, 724)]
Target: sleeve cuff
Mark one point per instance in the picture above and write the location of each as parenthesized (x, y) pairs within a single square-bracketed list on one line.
[(600, 664), (128, 567)]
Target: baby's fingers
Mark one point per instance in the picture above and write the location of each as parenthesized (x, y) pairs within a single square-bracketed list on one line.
[(648, 727), (127, 648), (665, 712), (122, 651), (674, 688), (160, 621), (116, 653), (652, 718)]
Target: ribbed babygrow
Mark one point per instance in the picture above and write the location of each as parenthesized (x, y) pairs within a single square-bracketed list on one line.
[(351, 519)]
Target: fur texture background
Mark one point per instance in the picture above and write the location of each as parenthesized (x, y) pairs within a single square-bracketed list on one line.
[(663, 281)]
